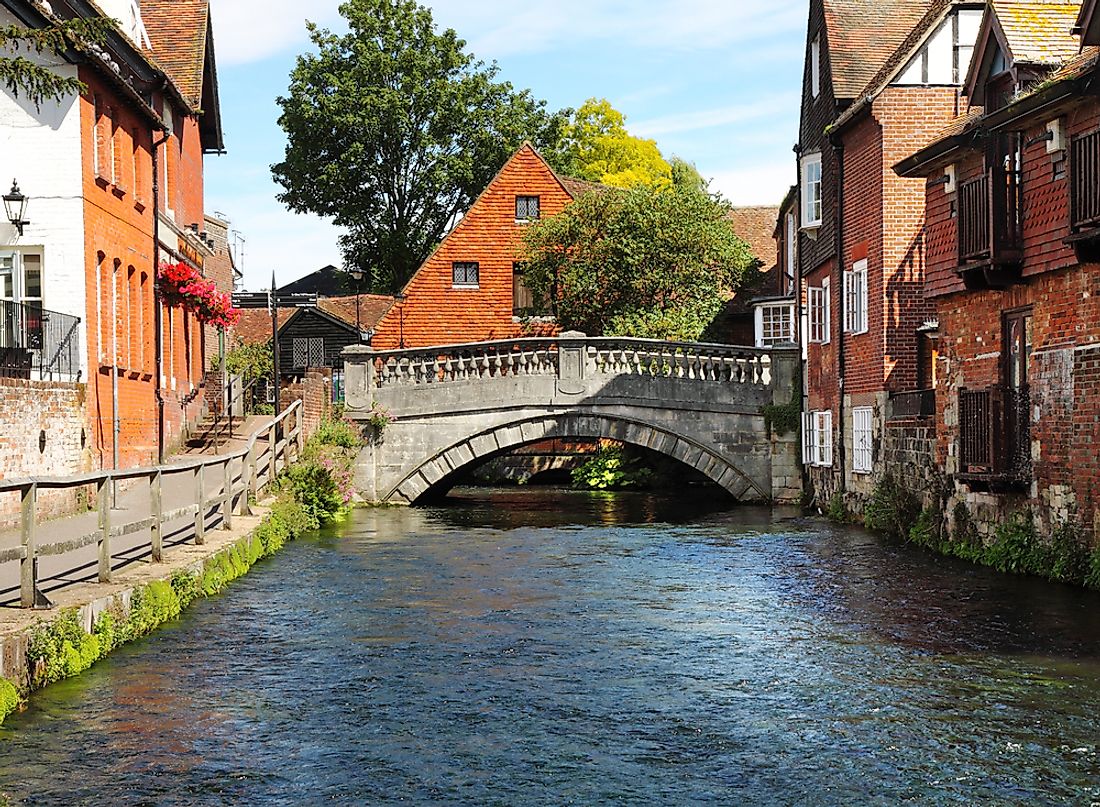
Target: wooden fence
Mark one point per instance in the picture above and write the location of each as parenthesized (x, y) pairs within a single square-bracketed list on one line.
[(242, 474)]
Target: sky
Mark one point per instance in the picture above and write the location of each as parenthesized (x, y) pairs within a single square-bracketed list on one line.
[(715, 82)]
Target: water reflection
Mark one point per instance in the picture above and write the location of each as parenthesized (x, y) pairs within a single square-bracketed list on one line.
[(530, 647)]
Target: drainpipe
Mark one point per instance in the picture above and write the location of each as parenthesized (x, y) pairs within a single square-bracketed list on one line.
[(838, 283), (158, 318)]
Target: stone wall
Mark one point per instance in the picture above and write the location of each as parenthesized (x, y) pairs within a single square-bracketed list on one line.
[(42, 433)]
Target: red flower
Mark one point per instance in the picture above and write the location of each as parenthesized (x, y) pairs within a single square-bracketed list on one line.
[(181, 286)]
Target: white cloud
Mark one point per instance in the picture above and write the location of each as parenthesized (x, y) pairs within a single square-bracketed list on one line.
[(733, 115), (252, 30)]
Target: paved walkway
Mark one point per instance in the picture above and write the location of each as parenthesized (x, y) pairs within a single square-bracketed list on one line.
[(134, 503)]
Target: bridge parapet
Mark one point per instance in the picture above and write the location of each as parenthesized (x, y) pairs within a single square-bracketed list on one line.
[(570, 357)]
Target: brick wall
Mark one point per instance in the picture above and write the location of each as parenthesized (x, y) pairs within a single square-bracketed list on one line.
[(436, 313), (315, 392), (29, 409)]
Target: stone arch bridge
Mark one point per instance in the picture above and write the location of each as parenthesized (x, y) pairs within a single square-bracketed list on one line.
[(460, 405)]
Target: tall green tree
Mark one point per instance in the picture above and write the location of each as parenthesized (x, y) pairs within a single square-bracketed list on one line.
[(646, 262), (393, 130), (598, 147), (30, 78)]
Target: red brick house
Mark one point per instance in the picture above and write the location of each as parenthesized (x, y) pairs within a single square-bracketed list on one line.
[(878, 76), (1012, 242), (471, 288)]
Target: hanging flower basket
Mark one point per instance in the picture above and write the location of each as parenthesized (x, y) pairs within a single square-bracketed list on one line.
[(181, 286)]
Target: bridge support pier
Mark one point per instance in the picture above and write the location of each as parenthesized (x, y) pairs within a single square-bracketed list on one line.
[(786, 449)]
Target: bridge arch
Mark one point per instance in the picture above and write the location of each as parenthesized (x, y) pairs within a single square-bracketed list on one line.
[(479, 447)]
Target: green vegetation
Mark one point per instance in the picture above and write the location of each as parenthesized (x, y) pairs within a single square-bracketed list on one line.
[(611, 469), (643, 262), (1014, 547), (38, 82), (837, 511), (394, 129), (321, 479), (251, 361)]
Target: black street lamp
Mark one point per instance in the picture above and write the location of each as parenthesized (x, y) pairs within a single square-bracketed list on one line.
[(15, 207), (357, 276), (401, 298)]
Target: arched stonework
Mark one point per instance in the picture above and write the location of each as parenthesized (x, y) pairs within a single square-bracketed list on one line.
[(484, 445)]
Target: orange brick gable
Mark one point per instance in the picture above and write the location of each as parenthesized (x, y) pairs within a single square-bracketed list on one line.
[(436, 313)]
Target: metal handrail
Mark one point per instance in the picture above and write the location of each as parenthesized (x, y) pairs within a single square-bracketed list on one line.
[(254, 466)]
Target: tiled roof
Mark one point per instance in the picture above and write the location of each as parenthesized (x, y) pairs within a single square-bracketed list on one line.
[(177, 30), (372, 307), (1039, 32), (756, 227), (575, 187), (861, 36), (254, 327)]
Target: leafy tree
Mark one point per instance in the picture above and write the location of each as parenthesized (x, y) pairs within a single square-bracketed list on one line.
[(644, 262), (598, 147), (29, 78), (393, 130), (687, 177)]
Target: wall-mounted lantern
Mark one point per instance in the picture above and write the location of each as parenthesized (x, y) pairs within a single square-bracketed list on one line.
[(15, 207)]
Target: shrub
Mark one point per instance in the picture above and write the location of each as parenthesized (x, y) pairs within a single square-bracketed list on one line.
[(892, 509), (9, 698), (837, 511), (341, 433), (609, 469)]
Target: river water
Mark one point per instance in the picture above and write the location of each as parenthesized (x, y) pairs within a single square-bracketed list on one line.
[(539, 647)]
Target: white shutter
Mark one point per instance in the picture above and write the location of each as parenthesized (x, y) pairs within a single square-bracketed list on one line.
[(807, 438), (827, 303), (862, 430), (825, 436), (847, 302)]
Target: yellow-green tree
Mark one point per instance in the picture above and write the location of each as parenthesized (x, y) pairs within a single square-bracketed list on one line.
[(598, 147)]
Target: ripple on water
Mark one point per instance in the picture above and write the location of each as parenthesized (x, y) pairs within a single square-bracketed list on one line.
[(530, 647)]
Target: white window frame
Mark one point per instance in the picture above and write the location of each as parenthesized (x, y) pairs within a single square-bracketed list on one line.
[(815, 66), (862, 439), (855, 298), (791, 249), (817, 438), (761, 340), (811, 195), (309, 348), (464, 283), (820, 304)]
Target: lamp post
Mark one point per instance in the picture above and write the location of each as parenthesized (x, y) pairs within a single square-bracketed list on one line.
[(357, 276), (15, 207)]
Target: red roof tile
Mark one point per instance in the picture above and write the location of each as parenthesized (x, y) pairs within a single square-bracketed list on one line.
[(177, 30), (372, 307), (1039, 32), (756, 227), (254, 327), (862, 34)]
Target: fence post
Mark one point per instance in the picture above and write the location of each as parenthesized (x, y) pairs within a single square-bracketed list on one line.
[(200, 497), (227, 492), (27, 582), (157, 511), (273, 439), (103, 501), (253, 489), (247, 471), (299, 421)]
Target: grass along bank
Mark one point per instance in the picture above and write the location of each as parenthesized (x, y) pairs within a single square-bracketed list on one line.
[(310, 493)]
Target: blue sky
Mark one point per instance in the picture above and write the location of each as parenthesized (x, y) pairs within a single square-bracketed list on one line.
[(713, 81)]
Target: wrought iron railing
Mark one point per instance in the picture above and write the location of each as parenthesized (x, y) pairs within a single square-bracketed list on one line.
[(1085, 181), (995, 433), (37, 343), (913, 404)]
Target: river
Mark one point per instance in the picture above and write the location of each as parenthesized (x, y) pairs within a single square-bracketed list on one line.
[(540, 647)]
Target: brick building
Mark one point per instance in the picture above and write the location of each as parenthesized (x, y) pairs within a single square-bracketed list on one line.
[(878, 76), (1012, 244), (471, 288), (121, 192)]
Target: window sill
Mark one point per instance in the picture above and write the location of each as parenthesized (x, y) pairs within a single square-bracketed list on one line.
[(524, 222), (465, 287)]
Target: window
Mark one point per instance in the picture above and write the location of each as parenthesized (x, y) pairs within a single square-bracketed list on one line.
[(465, 274), (815, 66), (819, 302), (308, 352), (143, 295), (774, 324), (855, 298), (135, 141), (817, 438), (111, 169), (21, 300), (527, 208), (1018, 347), (99, 145), (790, 253), (523, 301), (861, 439), (811, 191)]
